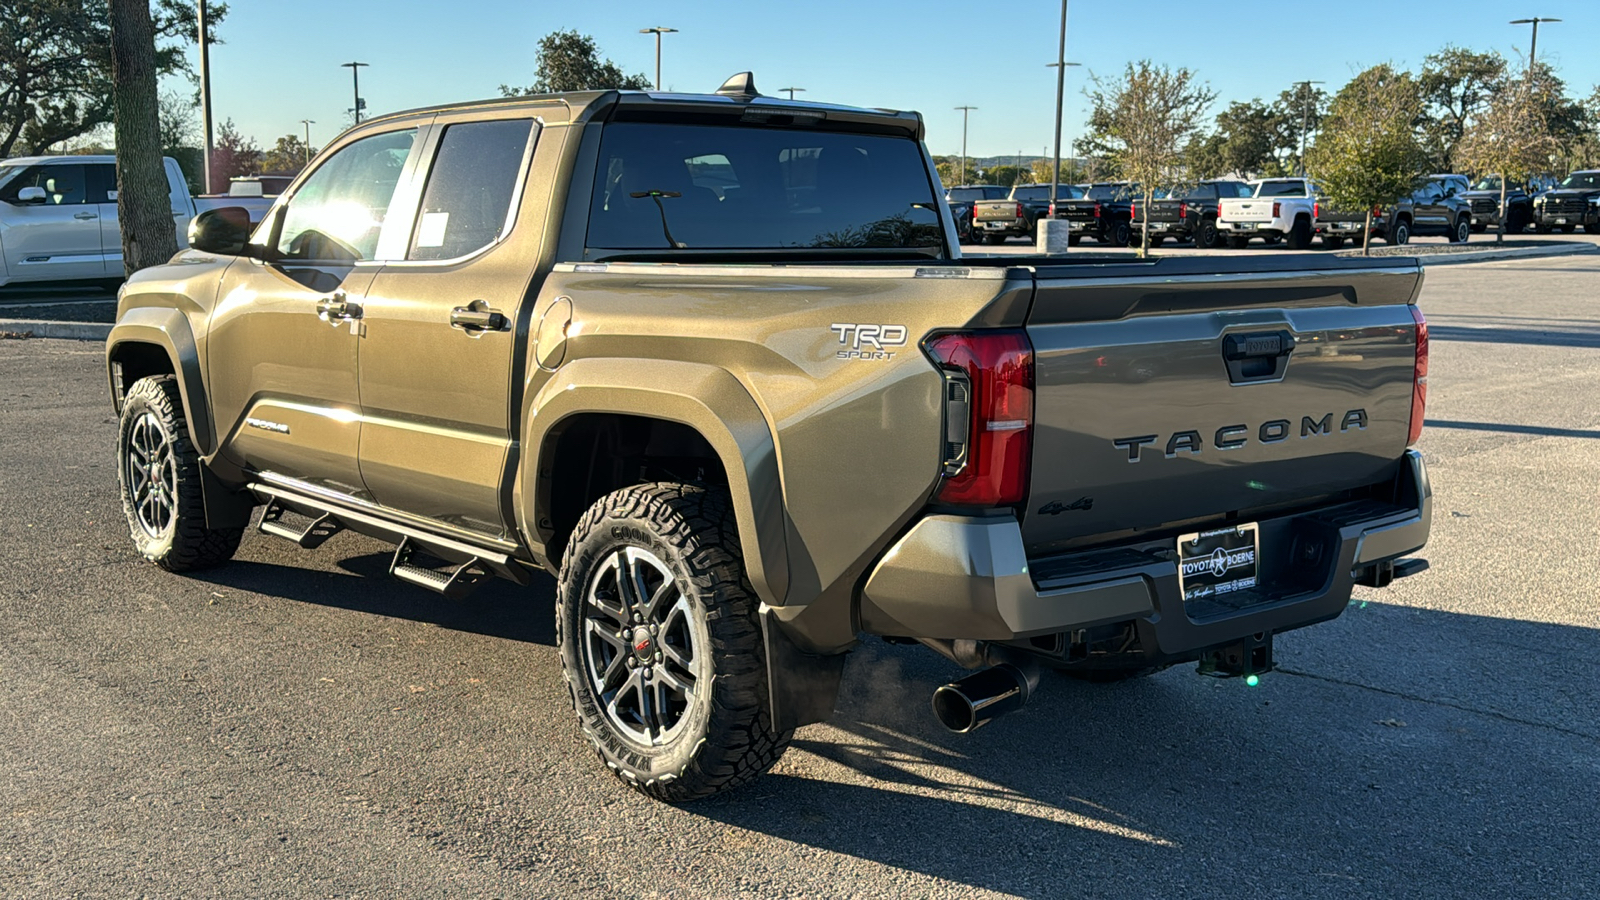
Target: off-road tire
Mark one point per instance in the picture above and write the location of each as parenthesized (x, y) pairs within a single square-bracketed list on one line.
[(1300, 234), (184, 543), (726, 737)]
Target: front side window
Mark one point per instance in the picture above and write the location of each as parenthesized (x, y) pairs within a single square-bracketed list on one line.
[(338, 213), (693, 187), (467, 204), (63, 185), (1583, 181)]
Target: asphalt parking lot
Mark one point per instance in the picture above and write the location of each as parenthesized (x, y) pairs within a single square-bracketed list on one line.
[(297, 724)]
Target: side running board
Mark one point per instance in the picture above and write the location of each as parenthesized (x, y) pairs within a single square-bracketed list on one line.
[(454, 583), (463, 564)]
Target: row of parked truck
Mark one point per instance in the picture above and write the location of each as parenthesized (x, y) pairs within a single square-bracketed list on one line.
[(1232, 212)]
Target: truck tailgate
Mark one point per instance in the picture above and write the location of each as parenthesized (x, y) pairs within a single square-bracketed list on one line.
[(1143, 422), (1232, 210), (996, 209)]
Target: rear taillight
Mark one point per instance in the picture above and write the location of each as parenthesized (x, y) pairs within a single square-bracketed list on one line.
[(1019, 211), (1097, 210), (1419, 380), (1377, 211), (1277, 209), (1316, 210), (1052, 211), (1135, 210), (1183, 210), (988, 401)]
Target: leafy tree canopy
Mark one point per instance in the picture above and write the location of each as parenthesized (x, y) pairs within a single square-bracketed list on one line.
[(569, 61), (1367, 153)]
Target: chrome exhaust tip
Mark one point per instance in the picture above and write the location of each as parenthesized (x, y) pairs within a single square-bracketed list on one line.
[(969, 704)]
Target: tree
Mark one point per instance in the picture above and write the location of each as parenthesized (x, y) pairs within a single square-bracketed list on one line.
[(1510, 139), (143, 208), (55, 66), (1249, 138), (1367, 153), (287, 157), (180, 137), (1456, 84), (569, 61), (232, 155), (1296, 116), (1147, 118)]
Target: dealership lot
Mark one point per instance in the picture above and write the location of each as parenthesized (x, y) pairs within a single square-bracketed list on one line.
[(299, 724)]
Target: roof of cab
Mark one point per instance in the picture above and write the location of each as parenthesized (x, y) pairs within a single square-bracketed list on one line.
[(586, 105)]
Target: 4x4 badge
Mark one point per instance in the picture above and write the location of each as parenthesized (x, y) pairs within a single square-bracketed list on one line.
[(1056, 507)]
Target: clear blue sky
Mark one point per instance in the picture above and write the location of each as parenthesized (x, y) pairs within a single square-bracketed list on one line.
[(280, 63)]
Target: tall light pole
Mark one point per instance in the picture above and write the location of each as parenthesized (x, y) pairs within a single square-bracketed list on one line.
[(1533, 48), (308, 123), (792, 90), (964, 111), (205, 93), (1060, 66), (658, 31), (1305, 118), (355, 80)]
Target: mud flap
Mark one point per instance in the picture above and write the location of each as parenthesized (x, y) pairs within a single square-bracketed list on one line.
[(802, 687), (225, 507)]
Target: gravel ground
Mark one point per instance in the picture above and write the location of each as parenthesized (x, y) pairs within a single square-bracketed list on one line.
[(298, 725)]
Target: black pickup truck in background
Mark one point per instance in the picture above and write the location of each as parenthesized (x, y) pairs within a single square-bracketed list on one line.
[(960, 200), (1573, 203), (1186, 213), (1015, 216), (1484, 195), (1102, 212)]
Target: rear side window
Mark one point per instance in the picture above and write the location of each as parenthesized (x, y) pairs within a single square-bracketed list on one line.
[(467, 204), (685, 186)]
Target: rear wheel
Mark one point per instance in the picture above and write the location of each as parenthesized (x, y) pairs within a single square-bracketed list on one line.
[(1592, 229), (1300, 234), (1073, 239), (1205, 238), (1121, 234), (1568, 229), (1462, 231), (1238, 241), (158, 472), (1400, 233), (661, 645), (1542, 228)]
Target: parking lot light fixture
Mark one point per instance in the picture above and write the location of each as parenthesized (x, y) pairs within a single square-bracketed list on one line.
[(308, 123), (1533, 48), (965, 110), (355, 80), (658, 31)]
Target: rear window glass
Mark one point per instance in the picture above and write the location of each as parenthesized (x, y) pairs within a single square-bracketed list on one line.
[(665, 186), (1042, 192), (966, 194), (1281, 189), (1112, 191)]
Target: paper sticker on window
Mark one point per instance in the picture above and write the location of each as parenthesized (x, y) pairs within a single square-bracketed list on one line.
[(431, 232)]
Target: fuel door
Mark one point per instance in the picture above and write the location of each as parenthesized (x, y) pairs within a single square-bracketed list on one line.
[(550, 339)]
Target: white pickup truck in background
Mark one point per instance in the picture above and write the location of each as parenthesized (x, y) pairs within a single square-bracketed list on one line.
[(1280, 209), (58, 216)]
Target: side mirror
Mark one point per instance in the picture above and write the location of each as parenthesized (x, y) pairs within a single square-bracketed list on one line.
[(30, 195), (225, 230)]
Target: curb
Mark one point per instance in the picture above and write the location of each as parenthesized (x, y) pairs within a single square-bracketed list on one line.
[(72, 331), (1476, 256)]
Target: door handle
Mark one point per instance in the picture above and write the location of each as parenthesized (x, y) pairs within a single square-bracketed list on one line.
[(336, 308), (85, 216), (478, 317)]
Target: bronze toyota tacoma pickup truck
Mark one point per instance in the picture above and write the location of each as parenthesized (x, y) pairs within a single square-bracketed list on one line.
[(715, 363)]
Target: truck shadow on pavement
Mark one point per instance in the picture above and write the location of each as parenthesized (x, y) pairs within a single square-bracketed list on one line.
[(497, 609), (1397, 751)]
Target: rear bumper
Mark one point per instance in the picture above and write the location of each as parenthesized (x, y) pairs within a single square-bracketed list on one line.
[(959, 577), (1272, 228)]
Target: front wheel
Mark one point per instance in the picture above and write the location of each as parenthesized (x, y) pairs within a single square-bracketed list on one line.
[(1462, 232), (661, 645), (158, 472)]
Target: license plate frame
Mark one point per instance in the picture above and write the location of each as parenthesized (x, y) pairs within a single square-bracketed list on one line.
[(1561, 221), (1247, 226), (1219, 561)]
